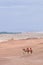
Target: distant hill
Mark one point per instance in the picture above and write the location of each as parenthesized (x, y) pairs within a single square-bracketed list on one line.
[(10, 32)]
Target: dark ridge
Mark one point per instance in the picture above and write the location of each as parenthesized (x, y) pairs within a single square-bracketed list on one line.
[(31, 38)]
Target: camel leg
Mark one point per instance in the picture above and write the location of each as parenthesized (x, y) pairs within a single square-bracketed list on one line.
[(31, 51)]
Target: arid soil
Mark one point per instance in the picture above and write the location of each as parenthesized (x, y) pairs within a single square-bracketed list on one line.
[(11, 52)]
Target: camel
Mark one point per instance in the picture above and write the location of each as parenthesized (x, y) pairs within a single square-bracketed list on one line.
[(28, 50)]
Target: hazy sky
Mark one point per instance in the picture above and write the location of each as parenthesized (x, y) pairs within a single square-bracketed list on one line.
[(21, 15)]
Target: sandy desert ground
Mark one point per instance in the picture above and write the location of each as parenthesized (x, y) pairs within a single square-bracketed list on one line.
[(11, 52)]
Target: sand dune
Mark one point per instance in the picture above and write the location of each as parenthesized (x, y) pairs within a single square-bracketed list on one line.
[(11, 52)]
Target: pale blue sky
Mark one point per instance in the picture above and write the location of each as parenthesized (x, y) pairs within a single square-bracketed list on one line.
[(21, 15)]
